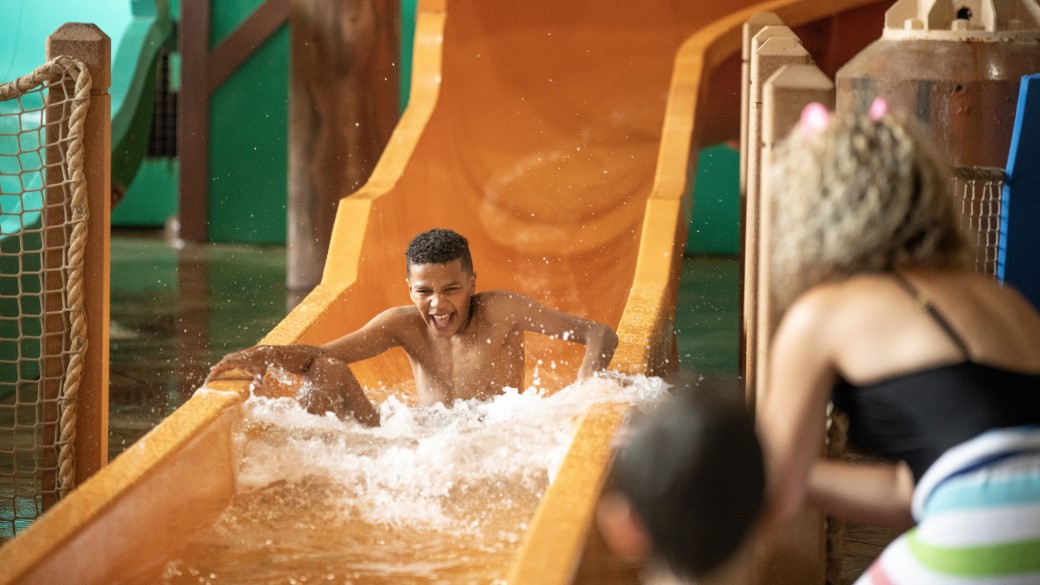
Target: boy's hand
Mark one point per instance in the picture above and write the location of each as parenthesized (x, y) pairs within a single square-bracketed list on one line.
[(585, 372), (255, 360), (600, 343)]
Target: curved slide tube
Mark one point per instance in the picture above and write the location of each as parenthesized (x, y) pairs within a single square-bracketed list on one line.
[(138, 30), (558, 138)]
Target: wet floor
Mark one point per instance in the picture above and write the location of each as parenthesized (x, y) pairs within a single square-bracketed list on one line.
[(175, 312)]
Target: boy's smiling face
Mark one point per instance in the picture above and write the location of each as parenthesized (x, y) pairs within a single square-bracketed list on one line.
[(442, 294)]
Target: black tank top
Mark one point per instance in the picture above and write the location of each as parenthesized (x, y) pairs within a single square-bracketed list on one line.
[(916, 417)]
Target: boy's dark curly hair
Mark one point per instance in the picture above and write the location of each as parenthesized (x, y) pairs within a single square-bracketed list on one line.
[(438, 246)]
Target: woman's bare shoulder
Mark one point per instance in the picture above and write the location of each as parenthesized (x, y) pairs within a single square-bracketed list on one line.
[(836, 306), (967, 291), (858, 291), (824, 299), (809, 314)]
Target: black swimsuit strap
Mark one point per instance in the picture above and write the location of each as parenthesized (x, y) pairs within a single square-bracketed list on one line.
[(936, 316)]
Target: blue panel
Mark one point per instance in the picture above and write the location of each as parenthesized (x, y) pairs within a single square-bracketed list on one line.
[(1018, 262)]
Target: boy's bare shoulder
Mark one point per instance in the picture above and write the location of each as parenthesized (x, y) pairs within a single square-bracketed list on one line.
[(500, 295), (495, 301), (397, 318)]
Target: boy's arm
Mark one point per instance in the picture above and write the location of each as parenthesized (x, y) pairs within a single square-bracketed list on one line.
[(255, 360), (600, 341), (375, 337), (383, 332)]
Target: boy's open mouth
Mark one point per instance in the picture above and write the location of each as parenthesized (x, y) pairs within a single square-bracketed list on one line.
[(442, 322)]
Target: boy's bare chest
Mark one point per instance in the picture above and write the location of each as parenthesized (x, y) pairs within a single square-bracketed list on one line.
[(468, 366), (466, 354)]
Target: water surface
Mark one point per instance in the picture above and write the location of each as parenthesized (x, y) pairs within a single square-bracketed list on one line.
[(435, 495)]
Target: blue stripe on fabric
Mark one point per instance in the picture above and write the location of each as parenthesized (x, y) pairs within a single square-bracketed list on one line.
[(983, 490)]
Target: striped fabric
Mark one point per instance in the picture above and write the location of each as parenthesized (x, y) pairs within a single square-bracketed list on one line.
[(978, 515)]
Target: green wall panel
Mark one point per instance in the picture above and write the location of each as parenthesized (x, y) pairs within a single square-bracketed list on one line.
[(715, 224), (407, 46), (152, 197), (249, 146)]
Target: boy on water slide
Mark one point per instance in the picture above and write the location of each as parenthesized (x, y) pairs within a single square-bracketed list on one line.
[(461, 344)]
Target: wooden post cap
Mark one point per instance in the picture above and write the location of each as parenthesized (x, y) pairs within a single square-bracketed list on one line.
[(90, 45)]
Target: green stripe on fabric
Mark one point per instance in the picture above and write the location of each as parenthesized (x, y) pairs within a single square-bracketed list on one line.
[(977, 561)]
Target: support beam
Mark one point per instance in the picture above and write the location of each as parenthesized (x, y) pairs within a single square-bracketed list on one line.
[(772, 48), (343, 104), (87, 44), (193, 122)]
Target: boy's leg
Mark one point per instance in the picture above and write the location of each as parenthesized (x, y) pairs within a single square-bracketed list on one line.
[(332, 387)]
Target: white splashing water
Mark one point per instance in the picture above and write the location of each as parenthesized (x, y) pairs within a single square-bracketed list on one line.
[(436, 494), (401, 472)]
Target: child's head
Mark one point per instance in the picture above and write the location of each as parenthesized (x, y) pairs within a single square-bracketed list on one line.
[(686, 486), (441, 280), (438, 246), (860, 194)]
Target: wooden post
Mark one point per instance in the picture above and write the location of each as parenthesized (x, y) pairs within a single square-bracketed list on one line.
[(772, 48), (193, 122), (751, 28), (787, 92), (88, 44), (343, 103), (801, 555), (193, 321)]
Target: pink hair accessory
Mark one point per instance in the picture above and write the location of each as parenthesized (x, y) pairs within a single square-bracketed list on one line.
[(878, 109), (814, 119)]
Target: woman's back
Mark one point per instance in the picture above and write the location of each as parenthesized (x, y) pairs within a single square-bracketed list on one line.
[(928, 360), (878, 328)]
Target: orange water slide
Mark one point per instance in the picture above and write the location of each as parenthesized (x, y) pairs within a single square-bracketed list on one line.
[(559, 137), (534, 130)]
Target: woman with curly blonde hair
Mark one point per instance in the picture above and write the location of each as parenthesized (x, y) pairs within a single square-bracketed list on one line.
[(937, 367), (862, 195)]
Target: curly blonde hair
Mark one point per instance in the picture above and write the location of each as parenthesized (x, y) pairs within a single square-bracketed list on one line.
[(862, 195)]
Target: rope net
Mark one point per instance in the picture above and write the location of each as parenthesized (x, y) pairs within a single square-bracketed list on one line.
[(979, 190), (42, 328)]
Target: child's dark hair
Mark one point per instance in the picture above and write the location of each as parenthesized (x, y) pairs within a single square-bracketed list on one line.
[(438, 246), (694, 474)]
